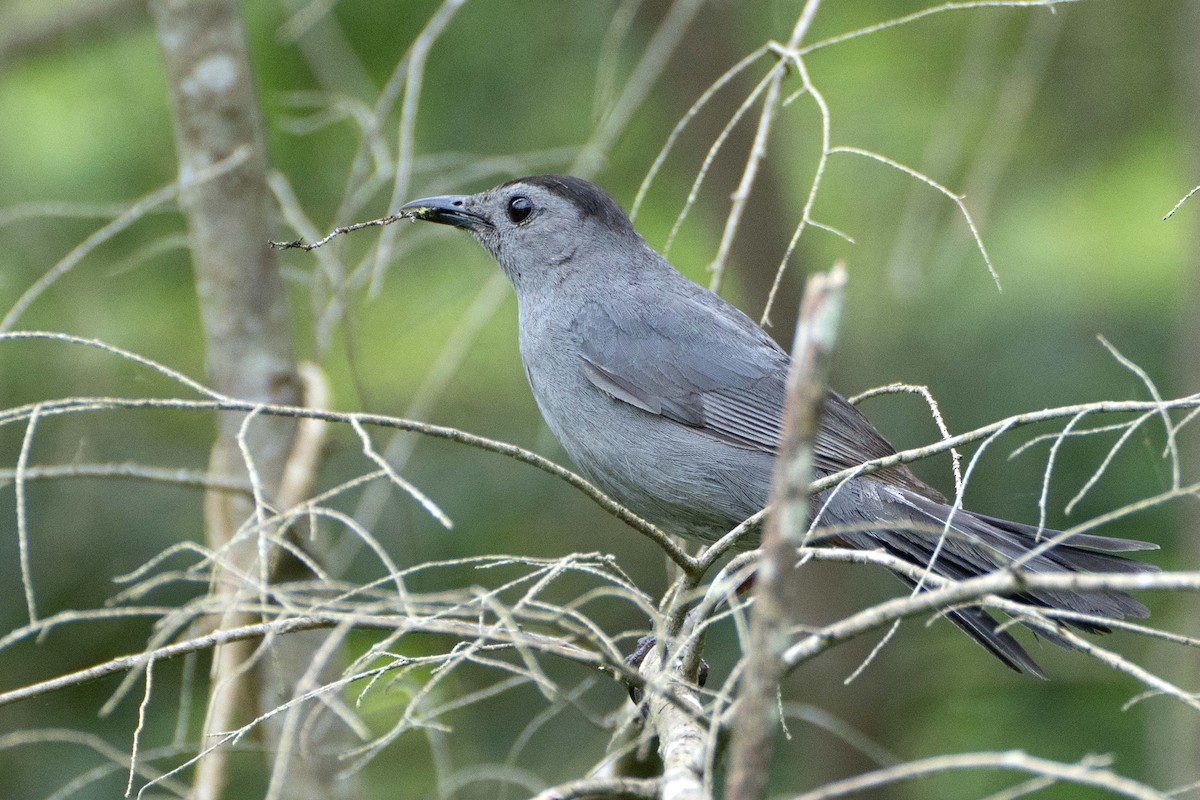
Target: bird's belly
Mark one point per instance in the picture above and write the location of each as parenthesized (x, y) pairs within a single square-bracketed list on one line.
[(681, 479)]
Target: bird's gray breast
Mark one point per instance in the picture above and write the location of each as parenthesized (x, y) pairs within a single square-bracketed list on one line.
[(673, 474)]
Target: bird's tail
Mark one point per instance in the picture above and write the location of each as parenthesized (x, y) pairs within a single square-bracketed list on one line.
[(975, 545)]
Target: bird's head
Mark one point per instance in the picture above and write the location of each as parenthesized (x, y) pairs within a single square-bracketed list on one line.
[(539, 227)]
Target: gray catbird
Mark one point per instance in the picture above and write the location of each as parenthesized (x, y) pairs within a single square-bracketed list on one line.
[(670, 399)]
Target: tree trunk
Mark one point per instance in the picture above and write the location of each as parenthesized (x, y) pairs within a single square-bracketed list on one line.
[(224, 195)]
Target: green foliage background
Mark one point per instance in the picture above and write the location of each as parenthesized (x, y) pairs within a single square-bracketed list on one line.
[(1074, 197)]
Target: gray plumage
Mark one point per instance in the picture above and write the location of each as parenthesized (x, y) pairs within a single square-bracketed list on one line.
[(670, 399)]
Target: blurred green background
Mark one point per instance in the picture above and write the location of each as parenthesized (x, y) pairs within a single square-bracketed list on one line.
[(1071, 134)]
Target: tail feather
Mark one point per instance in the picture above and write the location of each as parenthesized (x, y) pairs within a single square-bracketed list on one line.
[(1087, 541), (983, 628), (977, 545)]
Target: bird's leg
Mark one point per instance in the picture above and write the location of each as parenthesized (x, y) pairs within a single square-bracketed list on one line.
[(644, 646)]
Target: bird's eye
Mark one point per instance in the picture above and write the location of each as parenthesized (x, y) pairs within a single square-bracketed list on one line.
[(519, 208)]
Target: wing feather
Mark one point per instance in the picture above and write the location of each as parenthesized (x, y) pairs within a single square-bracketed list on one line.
[(715, 370)]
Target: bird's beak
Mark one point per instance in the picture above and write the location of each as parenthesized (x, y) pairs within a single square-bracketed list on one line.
[(448, 209)]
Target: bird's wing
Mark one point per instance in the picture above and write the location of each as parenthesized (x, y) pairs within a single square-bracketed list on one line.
[(709, 371), (704, 364)]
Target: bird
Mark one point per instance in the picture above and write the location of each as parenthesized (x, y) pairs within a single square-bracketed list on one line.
[(670, 399)]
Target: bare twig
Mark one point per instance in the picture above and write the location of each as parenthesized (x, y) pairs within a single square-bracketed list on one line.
[(416, 57), (604, 789), (683, 122), (203, 174), (1008, 423), (758, 149), (967, 592), (1091, 771), (776, 591), (662, 44), (934, 410), (64, 24), (895, 22), (765, 84), (79, 404), (789, 54), (297, 244), (459, 629), (23, 517), (1182, 200), (86, 404), (957, 199)]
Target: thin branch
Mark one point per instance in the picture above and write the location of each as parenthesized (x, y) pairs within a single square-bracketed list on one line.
[(927, 12), (946, 594), (604, 789), (934, 410), (79, 404), (1008, 423), (122, 353), (711, 155), (1172, 447), (777, 592), (463, 630), (1182, 200), (23, 517), (677, 554), (141, 724), (758, 149), (650, 66), (297, 244), (790, 54), (957, 199), (741, 195), (127, 218), (415, 60), (1091, 771), (404, 485), (683, 122), (64, 24)]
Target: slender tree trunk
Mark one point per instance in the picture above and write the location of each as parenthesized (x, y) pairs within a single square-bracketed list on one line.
[(219, 138)]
